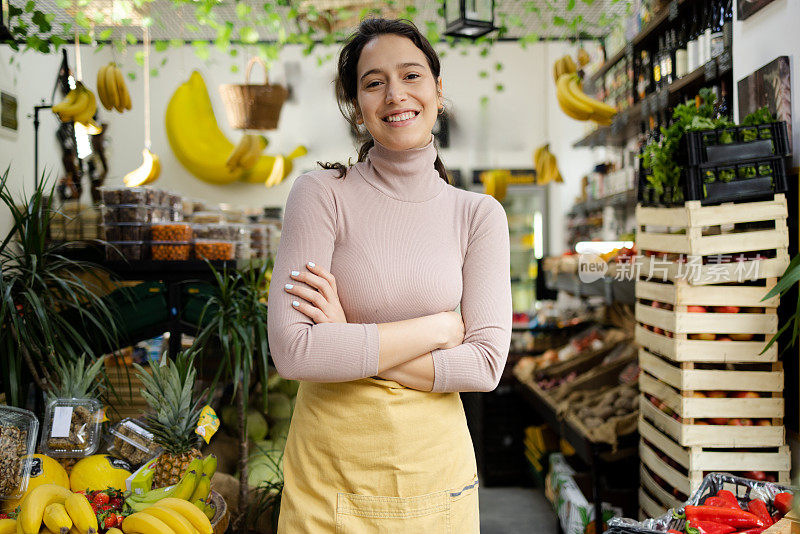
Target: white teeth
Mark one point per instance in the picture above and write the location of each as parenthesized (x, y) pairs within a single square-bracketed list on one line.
[(401, 117)]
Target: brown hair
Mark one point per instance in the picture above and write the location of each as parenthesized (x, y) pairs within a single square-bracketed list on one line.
[(347, 75)]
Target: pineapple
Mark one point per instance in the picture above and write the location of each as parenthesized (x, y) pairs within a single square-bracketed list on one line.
[(175, 410)]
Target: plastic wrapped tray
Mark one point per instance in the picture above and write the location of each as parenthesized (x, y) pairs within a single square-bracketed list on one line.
[(171, 231), (133, 442), (211, 249), (208, 217), (127, 195), (217, 231), (744, 489), (71, 428), (126, 231), (127, 250), (18, 429), (171, 251)]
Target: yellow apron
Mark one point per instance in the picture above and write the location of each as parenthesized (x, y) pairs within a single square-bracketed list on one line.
[(373, 456)]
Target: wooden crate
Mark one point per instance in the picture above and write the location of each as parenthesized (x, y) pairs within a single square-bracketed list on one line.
[(674, 384), (706, 232), (693, 462), (665, 329)]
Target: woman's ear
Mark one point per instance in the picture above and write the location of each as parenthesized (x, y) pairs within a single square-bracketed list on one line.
[(359, 118), (439, 89)]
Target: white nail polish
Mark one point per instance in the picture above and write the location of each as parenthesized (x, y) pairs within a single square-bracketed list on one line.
[(289, 286), (295, 273), (311, 264), (295, 303)]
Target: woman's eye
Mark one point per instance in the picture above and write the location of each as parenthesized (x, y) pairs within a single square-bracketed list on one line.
[(372, 84), (413, 74)]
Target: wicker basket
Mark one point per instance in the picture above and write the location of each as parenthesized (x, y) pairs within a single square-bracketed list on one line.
[(251, 106)]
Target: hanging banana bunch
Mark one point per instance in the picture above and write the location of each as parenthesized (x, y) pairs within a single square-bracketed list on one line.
[(111, 88), (245, 155), (79, 105), (546, 166), (569, 92)]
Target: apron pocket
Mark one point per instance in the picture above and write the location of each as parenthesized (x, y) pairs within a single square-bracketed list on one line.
[(366, 514), (464, 512)]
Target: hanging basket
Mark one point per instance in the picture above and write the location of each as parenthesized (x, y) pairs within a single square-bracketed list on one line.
[(251, 106)]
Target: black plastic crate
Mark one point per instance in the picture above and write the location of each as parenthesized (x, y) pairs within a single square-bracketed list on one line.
[(737, 143), (194, 298), (755, 179)]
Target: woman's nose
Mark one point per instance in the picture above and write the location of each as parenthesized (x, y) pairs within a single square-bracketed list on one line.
[(395, 93)]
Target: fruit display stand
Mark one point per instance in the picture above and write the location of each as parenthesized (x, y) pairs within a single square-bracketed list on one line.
[(711, 395)]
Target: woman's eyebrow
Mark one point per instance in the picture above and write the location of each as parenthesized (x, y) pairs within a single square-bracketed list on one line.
[(399, 66)]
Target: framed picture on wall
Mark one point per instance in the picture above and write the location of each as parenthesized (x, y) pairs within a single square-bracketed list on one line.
[(745, 8), (8, 111), (770, 86)]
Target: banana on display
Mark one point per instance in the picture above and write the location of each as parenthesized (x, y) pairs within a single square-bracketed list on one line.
[(546, 166), (79, 105), (8, 526), (247, 152), (30, 517), (563, 65), (140, 502), (171, 518), (142, 523), (111, 88), (189, 511), (146, 173), (56, 519), (578, 105), (80, 511), (272, 170)]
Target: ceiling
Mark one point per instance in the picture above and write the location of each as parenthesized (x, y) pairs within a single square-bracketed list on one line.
[(523, 17)]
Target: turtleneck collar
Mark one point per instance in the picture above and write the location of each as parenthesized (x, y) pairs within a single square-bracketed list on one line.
[(407, 175)]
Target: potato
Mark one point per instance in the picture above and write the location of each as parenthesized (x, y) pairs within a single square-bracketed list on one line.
[(592, 422)]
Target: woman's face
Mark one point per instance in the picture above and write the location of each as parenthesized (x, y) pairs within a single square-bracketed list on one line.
[(398, 97)]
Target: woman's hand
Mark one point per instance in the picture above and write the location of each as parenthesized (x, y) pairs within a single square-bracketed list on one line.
[(320, 302), (453, 329)]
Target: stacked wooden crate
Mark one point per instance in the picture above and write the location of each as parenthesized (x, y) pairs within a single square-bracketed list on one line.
[(711, 396)]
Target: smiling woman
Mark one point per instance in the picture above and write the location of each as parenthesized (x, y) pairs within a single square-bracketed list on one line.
[(373, 259)]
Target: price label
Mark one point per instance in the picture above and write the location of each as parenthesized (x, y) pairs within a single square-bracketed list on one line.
[(62, 419), (711, 70), (673, 10)]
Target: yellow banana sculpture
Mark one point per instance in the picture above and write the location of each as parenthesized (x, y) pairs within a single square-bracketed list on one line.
[(194, 134), (569, 105), (601, 112), (546, 166)]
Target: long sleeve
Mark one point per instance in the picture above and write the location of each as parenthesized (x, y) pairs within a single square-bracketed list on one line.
[(301, 349), (477, 364)]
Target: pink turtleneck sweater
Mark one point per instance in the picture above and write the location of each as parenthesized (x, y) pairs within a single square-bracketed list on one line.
[(401, 243)]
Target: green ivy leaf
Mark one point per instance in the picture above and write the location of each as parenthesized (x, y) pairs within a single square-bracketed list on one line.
[(559, 21), (14, 11), (498, 67), (82, 20), (132, 40), (176, 43), (164, 61), (484, 52), (161, 46), (484, 101), (570, 5), (248, 35), (500, 87), (483, 74), (153, 73), (57, 41), (201, 49), (234, 68), (588, 2), (139, 57), (132, 76), (42, 21), (243, 10), (233, 52), (30, 6), (105, 34), (85, 38)]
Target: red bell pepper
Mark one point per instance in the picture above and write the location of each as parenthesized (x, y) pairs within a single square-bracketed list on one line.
[(673, 531), (727, 516), (708, 527), (718, 502), (758, 507), (729, 497), (783, 502)]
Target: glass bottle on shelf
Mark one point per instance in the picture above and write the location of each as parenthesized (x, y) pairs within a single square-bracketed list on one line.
[(692, 45), (668, 73), (727, 24), (643, 79), (717, 36), (658, 64), (705, 49), (722, 108), (681, 65)]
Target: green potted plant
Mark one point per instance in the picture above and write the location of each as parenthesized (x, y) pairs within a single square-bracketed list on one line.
[(236, 315), (50, 303)]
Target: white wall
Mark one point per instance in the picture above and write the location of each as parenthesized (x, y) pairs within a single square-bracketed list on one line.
[(503, 133), (769, 33)]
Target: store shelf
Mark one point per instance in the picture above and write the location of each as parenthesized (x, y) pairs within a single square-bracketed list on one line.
[(658, 22), (611, 289), (623, 199), (626, 123)]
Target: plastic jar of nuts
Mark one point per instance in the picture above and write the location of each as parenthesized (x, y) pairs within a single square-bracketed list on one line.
[(217, 231), (171, 231), (213, 249), (126, 250), (170, 251), (126, 231), (206, 217), (130, 213), (18, 429), (71, 428)]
